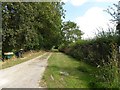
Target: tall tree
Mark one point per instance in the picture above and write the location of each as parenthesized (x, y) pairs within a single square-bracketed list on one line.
[(71, 32), (31, 25)]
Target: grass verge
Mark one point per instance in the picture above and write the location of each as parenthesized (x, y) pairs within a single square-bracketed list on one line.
[(66, 72), (27, 56)]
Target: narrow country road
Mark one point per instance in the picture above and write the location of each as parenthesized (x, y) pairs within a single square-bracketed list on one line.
[(24, 75)]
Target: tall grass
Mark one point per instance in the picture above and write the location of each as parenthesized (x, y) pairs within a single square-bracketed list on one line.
[(110, 71)]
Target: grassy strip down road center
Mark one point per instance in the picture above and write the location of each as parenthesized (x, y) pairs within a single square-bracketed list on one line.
[(66, 72)]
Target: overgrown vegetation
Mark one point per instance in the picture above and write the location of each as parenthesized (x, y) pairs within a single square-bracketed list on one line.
[(111, 70), (66, 72), (35, 26), (94, 50), (31, 25), (102, 52)]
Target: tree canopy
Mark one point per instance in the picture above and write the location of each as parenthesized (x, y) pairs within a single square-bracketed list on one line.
[(31, 25), (71, 32)]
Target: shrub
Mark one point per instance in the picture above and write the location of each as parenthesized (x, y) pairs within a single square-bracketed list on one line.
[(94, 50), (110, 71), (102, 51)]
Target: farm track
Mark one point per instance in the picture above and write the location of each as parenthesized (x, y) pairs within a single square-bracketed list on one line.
[(24, 75)]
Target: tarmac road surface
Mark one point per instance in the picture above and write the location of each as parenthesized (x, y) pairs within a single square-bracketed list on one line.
[(24, 75)]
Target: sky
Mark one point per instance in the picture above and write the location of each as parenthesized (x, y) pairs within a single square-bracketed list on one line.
[(89, 15)]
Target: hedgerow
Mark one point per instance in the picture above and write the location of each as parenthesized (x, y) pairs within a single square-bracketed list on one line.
[(92, 51), (102, 52)]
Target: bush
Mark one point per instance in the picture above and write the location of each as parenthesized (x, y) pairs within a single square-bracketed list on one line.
[(92, 51), (111, 70), (101, 52)]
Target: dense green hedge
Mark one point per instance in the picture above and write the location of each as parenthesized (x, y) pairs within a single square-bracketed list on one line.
[(95, 51)]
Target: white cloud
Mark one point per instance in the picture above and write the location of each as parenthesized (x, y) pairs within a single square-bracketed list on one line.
[(75, 2), (107, 1), (78, 2), (92, 19), (64, 1)]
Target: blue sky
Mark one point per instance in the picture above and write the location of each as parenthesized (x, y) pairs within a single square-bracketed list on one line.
[(89, 14)]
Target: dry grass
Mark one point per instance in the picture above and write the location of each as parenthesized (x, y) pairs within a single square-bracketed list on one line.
[(27, 56)]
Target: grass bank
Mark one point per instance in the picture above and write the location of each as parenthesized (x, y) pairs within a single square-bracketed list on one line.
[(27, 56), (66, 72)]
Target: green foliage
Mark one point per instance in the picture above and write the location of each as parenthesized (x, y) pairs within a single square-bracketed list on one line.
[(31, 25), (92, 51), (110, 70), (70, 32), (101, 52)]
